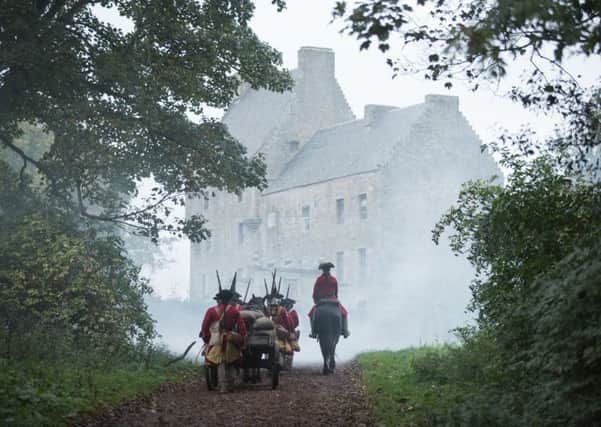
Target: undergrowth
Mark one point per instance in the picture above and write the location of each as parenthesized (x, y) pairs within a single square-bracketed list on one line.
[(36, 394)]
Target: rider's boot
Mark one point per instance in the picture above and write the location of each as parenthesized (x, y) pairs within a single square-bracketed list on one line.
[(345, 332), (312, 334)]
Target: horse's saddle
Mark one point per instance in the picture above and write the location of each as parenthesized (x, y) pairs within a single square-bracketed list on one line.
[(328, 301)]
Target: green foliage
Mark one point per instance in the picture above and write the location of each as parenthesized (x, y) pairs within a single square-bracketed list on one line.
[(66, 290), (477, 37), (413, 387), (535, 246), (514, 233), (116, 102), (34, 142), (34, 394)]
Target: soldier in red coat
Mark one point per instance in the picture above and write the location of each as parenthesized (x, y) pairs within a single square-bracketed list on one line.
[(288, 303), (326, 287), (292, 314), (279, 315), (223, 331)]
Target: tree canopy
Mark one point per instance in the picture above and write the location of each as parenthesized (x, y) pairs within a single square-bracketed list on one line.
[(472, 38), (117, 103)]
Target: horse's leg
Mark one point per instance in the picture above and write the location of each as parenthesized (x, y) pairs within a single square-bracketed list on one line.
[(323, 343), (336, 327)]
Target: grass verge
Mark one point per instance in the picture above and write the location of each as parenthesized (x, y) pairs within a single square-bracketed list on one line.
[(409, 387), (35, 395)]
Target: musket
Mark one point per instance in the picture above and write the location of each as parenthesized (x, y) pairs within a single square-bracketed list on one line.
[(246, 293), (233, 286), (218, 280), (273, 287), (266, 288)]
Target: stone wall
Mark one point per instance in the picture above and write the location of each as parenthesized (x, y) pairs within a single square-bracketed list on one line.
[(277, 236), (419, 183)]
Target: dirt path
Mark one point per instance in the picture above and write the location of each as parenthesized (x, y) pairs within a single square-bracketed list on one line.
[(304, 397)]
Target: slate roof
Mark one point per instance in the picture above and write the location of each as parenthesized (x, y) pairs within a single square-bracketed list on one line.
[(348, 149)]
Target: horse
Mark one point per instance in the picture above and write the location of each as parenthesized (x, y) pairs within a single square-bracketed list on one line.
[(328, 325)]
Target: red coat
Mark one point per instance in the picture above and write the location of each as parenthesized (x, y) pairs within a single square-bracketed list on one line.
[(283, 319), (326, 285), (231, 320), (293, 315)]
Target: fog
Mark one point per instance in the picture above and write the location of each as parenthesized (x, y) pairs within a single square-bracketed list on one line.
[(433, 286), (428, 301)]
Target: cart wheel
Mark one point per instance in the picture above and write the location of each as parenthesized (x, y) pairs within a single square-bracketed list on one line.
[(275, 375), (288, 360)]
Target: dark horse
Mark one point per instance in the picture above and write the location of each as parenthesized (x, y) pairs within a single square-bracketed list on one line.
[(327, 326)]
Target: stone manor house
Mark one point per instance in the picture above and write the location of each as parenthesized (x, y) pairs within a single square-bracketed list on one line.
[(363, 193)]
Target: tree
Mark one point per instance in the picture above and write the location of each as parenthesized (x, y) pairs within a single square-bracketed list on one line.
[(478, 37), (116, 103), (64, 289)]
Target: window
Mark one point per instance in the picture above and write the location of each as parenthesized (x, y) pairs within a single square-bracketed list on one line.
[(239, 197), (363, 206), (240, 233), (206, 203), (271, 220), (362, 252), (306, 218), (340, 266), (340, 211)]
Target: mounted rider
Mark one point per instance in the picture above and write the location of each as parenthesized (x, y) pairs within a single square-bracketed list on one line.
[(326, 288), (223, 332)]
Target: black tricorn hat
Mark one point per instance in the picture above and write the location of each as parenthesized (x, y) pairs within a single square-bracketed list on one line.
[(224, 295), (287, 300), (326, 266)]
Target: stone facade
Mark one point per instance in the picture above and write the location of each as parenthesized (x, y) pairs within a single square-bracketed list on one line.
[(363, 194)]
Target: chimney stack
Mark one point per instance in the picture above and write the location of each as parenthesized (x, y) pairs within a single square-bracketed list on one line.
[(443, 101), (373, 112), (315, 62)]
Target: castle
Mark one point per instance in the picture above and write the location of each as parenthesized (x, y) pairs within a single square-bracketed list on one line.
[(362, 193)]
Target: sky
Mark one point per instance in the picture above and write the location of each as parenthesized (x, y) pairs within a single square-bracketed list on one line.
[(365, 79)]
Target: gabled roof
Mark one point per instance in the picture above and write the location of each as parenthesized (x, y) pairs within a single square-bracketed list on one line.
[(348, 149), (256, 113)]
